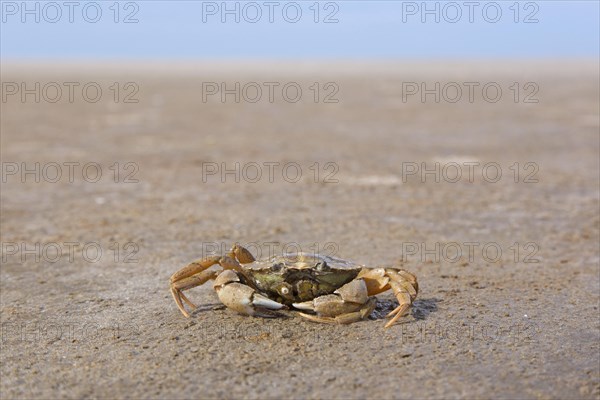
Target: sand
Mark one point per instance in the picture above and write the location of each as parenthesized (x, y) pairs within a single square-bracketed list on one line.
[(508, 265)]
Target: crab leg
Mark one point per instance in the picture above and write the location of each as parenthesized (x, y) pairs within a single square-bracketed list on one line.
[(242, 298), (195, 274), (403, 284), (241, 254), (405, 287), (177, 288)]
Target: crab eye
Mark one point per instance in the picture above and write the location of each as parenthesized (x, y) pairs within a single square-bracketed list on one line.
[(285, 290), (276, 267), (321, 266)]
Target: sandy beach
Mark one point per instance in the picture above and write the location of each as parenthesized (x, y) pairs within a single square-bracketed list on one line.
[(482, 179)]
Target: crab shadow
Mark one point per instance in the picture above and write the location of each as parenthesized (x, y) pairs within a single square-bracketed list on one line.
[(204, 308), (420, 310)]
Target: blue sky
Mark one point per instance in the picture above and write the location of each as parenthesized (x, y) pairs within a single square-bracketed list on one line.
[(356, 29)]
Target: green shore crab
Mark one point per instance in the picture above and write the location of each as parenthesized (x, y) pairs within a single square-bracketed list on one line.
[(331, 289)]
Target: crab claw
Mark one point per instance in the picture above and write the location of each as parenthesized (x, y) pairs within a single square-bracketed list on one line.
[(307, 305), (243, 299), (350, 303), (328, 306)]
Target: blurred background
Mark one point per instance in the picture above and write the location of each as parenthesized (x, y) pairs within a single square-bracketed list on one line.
[(457, 140)]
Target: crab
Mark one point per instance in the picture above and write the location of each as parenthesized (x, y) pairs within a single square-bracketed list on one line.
[(333, 290)]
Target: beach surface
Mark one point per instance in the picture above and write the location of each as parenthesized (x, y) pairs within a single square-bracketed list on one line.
[(115, 176)]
